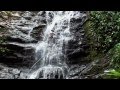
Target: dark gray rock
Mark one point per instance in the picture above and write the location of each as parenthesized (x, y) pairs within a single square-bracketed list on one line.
[(90, 70), (77, 47), (75, 71), (37, 32), (18, 56), (20, 39)]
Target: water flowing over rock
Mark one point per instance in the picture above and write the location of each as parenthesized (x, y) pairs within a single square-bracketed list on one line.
[(48, 41), (51, 51)]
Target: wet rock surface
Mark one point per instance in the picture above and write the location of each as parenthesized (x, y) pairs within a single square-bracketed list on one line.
[(24, 32), (91, 70), (77, 47), (22, 37), (11, 73), (37, 32)]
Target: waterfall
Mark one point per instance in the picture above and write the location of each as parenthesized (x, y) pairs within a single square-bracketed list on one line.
[(50, 51)]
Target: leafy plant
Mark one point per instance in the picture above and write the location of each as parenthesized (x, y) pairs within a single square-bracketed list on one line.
[(112, 74), (103, 30), (114, 54)]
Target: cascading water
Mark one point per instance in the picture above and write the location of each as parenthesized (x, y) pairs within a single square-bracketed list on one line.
[(50, 51)]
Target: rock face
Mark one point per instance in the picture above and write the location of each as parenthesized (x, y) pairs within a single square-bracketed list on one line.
[(11, 73), (91, 70), (24, 32), (27, 30), (77, 47)]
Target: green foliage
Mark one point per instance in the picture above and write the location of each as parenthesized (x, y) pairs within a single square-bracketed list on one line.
[(112, 74), (103, 30), (114, 54)]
